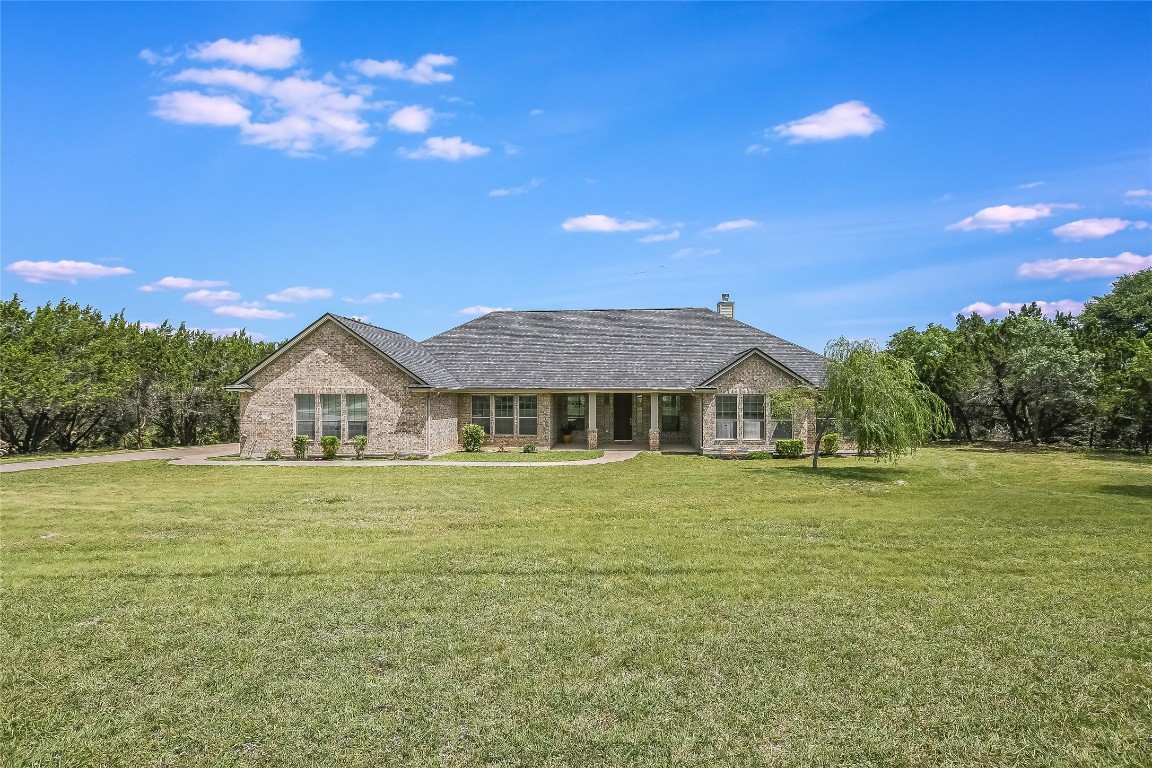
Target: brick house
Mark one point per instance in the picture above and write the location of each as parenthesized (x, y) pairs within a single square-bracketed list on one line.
[(644, 378)]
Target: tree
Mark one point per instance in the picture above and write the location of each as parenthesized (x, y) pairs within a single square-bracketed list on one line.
[(874, 397)]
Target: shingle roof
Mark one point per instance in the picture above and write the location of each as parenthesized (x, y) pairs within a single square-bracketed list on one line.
[(404, 350), (606, 349)]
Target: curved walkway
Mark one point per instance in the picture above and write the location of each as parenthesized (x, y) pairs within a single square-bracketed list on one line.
[(201, 456)]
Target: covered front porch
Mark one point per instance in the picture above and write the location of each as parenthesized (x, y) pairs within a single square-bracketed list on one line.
[(654, 421)]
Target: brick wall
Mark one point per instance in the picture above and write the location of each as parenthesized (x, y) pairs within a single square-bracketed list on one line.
[(543, 438), (754, 376)]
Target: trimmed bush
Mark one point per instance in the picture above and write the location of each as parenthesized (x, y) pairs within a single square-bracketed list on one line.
[(300, 446), (528, 448), (758, 455), (273, 455), (789, 449), (360, 443), (829, 444), (329, 444), (472, 438)]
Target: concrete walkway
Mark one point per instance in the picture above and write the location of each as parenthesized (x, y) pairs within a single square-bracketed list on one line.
[(201, 456)]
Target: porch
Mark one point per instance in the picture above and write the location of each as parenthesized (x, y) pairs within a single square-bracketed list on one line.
[(653, 421)]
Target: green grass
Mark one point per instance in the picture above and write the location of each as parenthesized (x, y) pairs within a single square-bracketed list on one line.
[(963, 608), (515, 456), (16, 458)]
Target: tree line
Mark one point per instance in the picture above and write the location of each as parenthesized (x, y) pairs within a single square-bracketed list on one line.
[(1085, 379), (71, 379)]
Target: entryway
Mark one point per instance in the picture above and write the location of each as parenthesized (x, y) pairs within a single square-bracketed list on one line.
[(622, 416)]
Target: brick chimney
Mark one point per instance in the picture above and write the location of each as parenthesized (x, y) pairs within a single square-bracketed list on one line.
[(725, 307)]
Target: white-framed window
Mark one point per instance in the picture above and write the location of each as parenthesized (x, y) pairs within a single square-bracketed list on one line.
[(505, 409), (669, 413), (357, 415), (330, 415), (725, 417), (482, 412), (527, 415), (577, 411), (753, 416), (306, 415)]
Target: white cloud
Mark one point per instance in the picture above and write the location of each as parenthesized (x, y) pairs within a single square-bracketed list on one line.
[(660, 238), (156, 59), (251, 311), (1001, 218), (1140, 197), (728, 226), (63, 271), (536, 112), (597, 222), (211, 297), (181, 284), (257, 52), (299, 294), (757, 149), (1094, 229), (1138, 193), (520, 190), (1049, 308), (412, 119), (852, 118), (424, 72), (1075, 269), (685, 253), (478, 310), (225, 332), (373, 298), (194, 108), (1030, 185), (452, 148), (226, 78)]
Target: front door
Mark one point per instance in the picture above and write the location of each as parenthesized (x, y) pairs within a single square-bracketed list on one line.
[(622, 417)]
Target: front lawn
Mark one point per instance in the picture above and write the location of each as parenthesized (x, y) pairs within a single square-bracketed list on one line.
[(514, 456), (963, 608)]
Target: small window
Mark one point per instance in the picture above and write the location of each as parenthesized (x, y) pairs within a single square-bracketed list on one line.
[(505, 414), (330, 415), (753, 417), (781, 425), (725, 417), (577, 411), (527, 414), (306, 415), (669, 413), (482, 412), (357, 415)]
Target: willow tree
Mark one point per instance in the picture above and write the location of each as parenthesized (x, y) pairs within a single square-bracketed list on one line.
[(872, 396)]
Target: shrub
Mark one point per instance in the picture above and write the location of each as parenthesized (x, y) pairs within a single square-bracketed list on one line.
[(329, 444), (273, 455), (300, 446), (789, 449), (528, 448), (829, 444), (360, 443), (759, 455), (472, 438)]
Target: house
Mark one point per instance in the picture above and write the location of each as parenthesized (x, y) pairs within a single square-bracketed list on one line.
[(647, 378)]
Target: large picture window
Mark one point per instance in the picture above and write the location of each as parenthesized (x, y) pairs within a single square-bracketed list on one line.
[(725, 417), (505, 414), (577, 411), (306, 415), (330, 415), (527, 414), (669, 413), (482, 412), (753, 417), (357, 415)]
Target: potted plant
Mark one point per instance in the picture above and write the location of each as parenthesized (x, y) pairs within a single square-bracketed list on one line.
[(566, 432)]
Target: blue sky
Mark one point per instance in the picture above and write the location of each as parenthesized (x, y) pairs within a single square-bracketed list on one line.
[(838, 169)]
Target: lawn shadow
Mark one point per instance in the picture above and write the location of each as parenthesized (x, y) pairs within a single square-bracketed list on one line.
[(1138, 491), (869, 474)]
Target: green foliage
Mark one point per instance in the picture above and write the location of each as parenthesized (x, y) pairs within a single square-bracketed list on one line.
[(273, 455), (329, 445), (830, 444), (528, 448), (300, 446), (789, 449), (360, 443), (759, 455), (472, 438)]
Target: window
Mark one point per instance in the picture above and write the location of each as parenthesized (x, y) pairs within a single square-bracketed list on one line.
[(527, 414), (577, 411), (505, 414), (782, 425), (482, 412), (725, 417), (357, 415), (329, 415), (669, 413), (306, 415), (753, 417)]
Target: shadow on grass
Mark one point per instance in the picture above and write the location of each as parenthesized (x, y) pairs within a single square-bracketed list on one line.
[(1138, 491), (868, 474)]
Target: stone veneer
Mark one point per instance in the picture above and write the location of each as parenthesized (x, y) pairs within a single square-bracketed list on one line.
[(754, 376)]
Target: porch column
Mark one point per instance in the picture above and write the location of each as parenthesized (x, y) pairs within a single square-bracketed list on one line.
[(654, 424), (593, 435)]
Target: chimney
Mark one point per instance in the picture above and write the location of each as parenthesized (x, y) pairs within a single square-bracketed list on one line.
[(725, 307)]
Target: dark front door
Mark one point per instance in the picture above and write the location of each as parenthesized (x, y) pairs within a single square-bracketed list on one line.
[(622, 417)]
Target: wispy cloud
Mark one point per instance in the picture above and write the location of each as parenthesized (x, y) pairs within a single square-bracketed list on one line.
[(686, 253), (411, 119), (535, 112), (299, 294), (1076, 269), (194, 108), (226, 332), (204, 296), (1094, 229), (1141, 197), (520, 190), (660, 238), (852, 118), (728, 226), (479, 309), (257, 52), (597, 222), (1030, 185), (251, 311), (1002, 218), (425, 71), (181, 284), (757, 149), (64, 271), (373, 298), (1049, 308), (438, 148)]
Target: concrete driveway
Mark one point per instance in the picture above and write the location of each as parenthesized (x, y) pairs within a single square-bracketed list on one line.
[(198, 452)]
